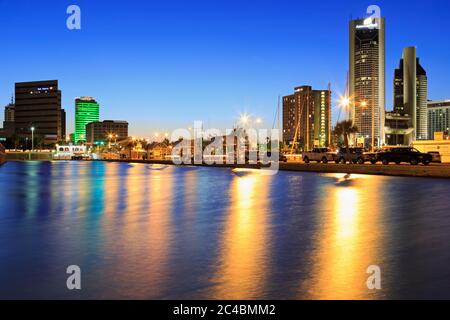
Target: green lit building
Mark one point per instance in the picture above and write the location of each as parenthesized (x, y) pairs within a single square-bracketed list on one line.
[(87, 110)]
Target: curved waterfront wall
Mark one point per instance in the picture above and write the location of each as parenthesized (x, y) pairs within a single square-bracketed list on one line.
[(2, 154)]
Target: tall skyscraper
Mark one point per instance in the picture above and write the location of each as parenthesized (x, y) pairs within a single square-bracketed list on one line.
[(306, 117), (87, 110), (367, 78), (38, 105), (410, 93)]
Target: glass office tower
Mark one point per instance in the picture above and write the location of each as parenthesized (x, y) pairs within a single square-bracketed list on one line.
[(367, 78), (87, 110)]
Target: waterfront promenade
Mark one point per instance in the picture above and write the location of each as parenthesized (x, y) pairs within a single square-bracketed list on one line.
[(402, 170)]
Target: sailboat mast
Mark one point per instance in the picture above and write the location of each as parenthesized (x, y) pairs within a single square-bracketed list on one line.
[(280, 135), (329, 114)]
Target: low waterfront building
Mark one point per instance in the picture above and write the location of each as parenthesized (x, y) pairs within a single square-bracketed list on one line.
[(398, 130), (159, 151), (441, 146), (69, 152), (101, 133)]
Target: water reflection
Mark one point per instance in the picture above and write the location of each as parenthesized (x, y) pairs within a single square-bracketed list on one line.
[(195, 233), (245, 248), (349, 240)]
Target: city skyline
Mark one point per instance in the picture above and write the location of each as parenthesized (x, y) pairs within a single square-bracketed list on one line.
[(250, 84), (224, 157)]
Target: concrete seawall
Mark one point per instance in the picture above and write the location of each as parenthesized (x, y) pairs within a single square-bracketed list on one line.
[(40, 156), (406, 170)]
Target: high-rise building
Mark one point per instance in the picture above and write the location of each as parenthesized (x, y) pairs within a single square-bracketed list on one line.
[(306, 118), (8, 123), (438, 117), (87, 110), (367, 78), (410, 93), (63, 125), (38, 105), (108, 130)]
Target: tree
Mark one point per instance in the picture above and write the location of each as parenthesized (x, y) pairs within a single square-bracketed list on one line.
[(39, 140), (15, 140), (345, 129)]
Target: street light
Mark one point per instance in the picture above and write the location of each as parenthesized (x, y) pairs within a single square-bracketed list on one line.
[(32, 140), (110, 136), (344, 102), (244, 118)]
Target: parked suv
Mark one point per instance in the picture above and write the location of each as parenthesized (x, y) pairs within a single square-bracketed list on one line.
[(403, 154), (319, 155), (352, 155)]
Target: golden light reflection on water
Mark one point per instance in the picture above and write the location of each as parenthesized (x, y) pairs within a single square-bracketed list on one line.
[(190, 198), (111, 190), (349, 241), (158, 227), (140, 231), (243, 261)]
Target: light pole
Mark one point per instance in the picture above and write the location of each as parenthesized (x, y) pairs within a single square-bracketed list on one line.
[(32, 140)]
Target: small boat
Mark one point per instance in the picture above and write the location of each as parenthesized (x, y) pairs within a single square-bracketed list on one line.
[(2, 154)]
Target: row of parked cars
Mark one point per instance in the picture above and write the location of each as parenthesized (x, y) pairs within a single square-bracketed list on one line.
[(385, 155)]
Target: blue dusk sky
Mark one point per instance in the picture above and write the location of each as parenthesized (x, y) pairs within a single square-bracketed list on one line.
[(163, 64)]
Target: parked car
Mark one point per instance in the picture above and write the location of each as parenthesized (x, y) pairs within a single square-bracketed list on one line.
[(403, 154), (352, 155), (370, 157), (318, 155), (435, 157)]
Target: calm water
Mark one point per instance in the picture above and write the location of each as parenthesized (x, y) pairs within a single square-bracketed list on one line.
[(149, 232)]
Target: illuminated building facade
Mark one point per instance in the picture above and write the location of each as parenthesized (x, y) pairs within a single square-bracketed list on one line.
[(87, 110), (38, 105), (8, 123), (410, 94), (306, 118), (438, 117), (367, 78), (109, 130)]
